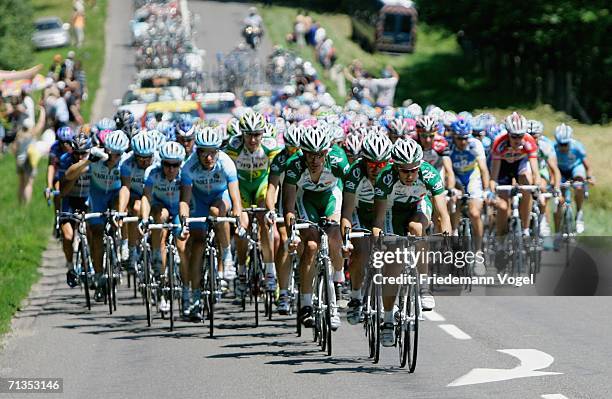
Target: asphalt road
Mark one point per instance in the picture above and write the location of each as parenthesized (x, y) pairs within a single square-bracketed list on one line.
[(553, 347)]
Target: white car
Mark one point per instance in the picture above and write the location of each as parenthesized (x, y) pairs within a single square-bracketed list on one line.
[(50, 32)]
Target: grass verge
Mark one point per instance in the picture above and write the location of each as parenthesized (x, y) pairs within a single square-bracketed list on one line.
[(25, 232), (437, 73), (92, 52)]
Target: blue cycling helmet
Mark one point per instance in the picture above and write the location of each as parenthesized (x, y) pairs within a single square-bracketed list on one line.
[(185, 129), (461, 127), (65, 133), (172, 151), (168, 129), (143, 145), (208, 137), (106, 124), (117, 142)]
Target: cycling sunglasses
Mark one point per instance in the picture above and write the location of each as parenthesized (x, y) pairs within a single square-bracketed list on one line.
[(207, 152), (377, 165), (462, 138), (426, 135), (170, 165), (516, 136)]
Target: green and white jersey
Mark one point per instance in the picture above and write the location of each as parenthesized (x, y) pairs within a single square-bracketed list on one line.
[(546, 150), (357, 182), (335, 167), (389, 188), (252, 167)]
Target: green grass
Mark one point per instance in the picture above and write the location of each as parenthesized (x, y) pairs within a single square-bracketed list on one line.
[(437, 73), (25, 231), (92, 52)]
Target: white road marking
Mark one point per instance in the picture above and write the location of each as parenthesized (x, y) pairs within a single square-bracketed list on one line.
[(530, 361), (454, 331), (554, 396), (432, 315)]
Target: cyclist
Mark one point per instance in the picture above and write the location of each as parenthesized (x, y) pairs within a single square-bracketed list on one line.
[(124, 120), (274, 203), (74, 195), (313, 183), (62, 145), (161, 200), (573, 164), (404, 193), (103, 167), (514, 157), (132, 170), (357, 210), (549, 171), (185, 134), (470, 167), (399, 128), (210, 182), (253, 156)]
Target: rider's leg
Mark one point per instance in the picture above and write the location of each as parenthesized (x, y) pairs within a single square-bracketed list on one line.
[(474, 211), (68, 236)]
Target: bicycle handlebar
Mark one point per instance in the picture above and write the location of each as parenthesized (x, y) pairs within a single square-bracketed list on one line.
[(213, 219)]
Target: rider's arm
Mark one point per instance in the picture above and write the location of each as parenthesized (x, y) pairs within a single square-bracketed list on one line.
[(587, 167), (185, 200), (75, 170), (145, 204), (551, 162), (533, 164), (484, 171), (234, 193), (380, 207), (51, 170), (449, 173), (289, 197), (124, 193), (273, 183), (348, 207), (439, 203), (495, 167)]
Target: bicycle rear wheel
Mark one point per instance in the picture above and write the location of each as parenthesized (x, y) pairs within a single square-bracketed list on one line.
[(378, 316), (146, 269), (108, 267), (368, 318)]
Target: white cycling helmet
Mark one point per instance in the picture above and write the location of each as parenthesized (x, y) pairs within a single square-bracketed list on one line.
[(336, 133), (315, 139), (516, 123), (117, 142), (435, 112), (376, 147), (407, 151), (208, 137), (352, 144), (143, 144), (563, 133), (448, 118), (427, 123), (415, 110), (293, 135), (252, 122), (535, 127), (172, 151)]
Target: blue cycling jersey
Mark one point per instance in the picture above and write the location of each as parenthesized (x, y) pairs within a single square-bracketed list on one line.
[(464, 162), (82, 184), (572, 158), (163, 191), (129, 168), (208, 184), (104, 180)]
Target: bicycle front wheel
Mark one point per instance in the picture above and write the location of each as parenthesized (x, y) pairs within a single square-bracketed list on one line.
[(411, 332), (170, 298), (84, 261), (212, 264), (327, 331)]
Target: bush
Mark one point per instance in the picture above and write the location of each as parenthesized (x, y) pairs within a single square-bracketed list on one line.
[(16, 28)]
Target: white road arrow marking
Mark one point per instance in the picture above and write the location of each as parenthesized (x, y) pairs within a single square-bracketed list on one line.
[(554, 396), (531, 360)]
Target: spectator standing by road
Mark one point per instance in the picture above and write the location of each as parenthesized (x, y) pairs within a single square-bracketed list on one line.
[(27, 155), (78, 22), (383, 88)]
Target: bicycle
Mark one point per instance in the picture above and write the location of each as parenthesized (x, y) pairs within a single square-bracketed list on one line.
[(170, 283), (210, 276), (293, 288), (324, 294), (80, 247), (515, 245), (536, 244), (464, 235), (568, 220), (255, 273)]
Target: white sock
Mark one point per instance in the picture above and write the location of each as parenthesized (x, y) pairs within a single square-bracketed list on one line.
[(338, 276), (227, 252), (124, 242), (283, 292), (525, 232), (306, 299), (389, 316), (270, 268), (241, 269), (356, 294)]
